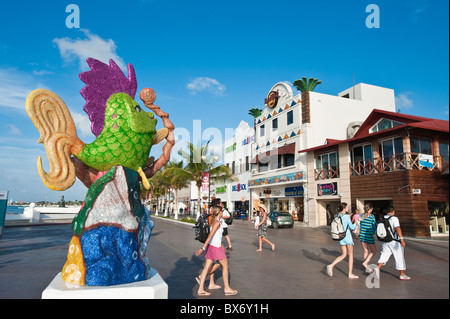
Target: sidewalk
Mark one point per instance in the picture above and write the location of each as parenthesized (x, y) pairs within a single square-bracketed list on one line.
[(32, 255)]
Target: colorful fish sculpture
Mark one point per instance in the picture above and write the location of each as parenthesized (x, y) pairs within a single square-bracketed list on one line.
[(124, 132)]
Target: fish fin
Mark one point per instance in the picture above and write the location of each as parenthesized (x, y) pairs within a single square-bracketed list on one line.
[(57, 131), (143, 178)]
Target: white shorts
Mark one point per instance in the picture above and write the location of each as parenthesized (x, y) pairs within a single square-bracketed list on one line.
[(395, 248)]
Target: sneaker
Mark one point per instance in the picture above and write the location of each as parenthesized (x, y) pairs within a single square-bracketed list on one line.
[(329, 271), (369, 270), (404, 277)]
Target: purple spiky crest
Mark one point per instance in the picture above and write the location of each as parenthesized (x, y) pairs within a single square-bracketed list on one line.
[(102, 81)]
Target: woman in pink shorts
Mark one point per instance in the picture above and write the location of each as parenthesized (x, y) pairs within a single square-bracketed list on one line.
[(214, 251)]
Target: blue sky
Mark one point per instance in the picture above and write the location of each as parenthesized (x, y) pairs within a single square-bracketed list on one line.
[(210, 61)]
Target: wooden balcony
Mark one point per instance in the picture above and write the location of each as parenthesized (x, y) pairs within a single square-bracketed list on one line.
[(326, 173), (398, 162)]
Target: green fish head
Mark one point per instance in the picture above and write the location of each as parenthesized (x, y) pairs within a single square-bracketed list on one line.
[(140, 121)]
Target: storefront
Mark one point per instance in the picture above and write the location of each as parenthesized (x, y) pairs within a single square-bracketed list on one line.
[(285, 197)]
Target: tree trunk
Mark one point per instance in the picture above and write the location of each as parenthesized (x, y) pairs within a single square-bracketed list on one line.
[(306, 114)]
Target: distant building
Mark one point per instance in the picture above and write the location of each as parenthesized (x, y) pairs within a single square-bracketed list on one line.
[(237, 155)]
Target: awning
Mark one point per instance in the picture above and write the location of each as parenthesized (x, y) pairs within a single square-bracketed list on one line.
[(287, 149)]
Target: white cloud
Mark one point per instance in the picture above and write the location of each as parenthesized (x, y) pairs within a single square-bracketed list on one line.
[(206, 84), (92, 46), (82, 123), (14, 130), (402, 100), (15, 87)]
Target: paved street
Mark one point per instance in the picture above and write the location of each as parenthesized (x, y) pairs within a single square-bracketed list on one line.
[(31, 256)]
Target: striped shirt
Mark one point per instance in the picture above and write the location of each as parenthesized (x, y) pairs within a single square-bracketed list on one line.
[(368, 227)]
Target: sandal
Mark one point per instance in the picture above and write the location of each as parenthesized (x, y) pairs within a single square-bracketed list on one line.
[(204, 293), (231, 293)]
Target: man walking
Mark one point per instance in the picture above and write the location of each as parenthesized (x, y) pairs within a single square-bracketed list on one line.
[(394, 247)]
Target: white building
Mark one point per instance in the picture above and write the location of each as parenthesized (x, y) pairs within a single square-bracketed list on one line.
[(287, 125), (237, 155)]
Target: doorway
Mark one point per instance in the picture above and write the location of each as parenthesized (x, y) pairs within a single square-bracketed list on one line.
[(379, 207)]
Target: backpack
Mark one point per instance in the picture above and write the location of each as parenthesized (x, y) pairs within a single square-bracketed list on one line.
[(384, 230), (337, 229), (228, 221), (201, 228)]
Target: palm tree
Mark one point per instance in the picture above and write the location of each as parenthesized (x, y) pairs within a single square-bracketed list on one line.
[(198, 162), (177, 180), (255, 112), (160, 184), (306, 86)]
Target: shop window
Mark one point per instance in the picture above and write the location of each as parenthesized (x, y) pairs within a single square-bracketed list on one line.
[(438, 212)]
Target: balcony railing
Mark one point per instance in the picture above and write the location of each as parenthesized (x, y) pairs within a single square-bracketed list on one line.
[(398, 162), (326, 173)]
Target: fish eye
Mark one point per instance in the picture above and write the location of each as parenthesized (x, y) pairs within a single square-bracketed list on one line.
[(138, 108)]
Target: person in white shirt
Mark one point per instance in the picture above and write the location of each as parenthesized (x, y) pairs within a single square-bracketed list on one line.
[(217, 202), (395, 247)]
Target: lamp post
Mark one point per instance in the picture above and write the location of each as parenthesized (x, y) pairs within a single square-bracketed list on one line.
[(215, 159)]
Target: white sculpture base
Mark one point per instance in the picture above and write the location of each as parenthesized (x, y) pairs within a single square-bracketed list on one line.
[(153, 288)]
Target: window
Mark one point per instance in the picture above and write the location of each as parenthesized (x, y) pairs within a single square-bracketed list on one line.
[(443, 148), (246, 164), (327, 166), (392, 153), (362, 159), (384, 124), (263, 167), (420, 145), (288, 160), (290, 117), (262, 129), (275, 124), (233, 170)]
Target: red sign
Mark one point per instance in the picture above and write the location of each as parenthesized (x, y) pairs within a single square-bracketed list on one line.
[(272, 99), (205, 182)]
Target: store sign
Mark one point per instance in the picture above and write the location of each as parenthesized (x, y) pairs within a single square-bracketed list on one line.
[(248, 140), (293, 191), (230, 148), (272, 99), (327, 189), (426, 160), (221, 189), (239, 187)]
